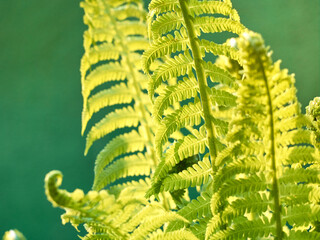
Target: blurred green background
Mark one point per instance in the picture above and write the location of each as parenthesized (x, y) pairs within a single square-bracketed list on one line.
[(40, 101)]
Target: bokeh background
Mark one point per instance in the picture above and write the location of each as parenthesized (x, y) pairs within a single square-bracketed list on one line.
[(40, 101)]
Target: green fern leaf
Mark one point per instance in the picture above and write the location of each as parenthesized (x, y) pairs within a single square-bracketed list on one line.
[(282, 167)]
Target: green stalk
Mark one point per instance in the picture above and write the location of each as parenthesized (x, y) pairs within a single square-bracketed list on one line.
[(275, 184), (200, 74)]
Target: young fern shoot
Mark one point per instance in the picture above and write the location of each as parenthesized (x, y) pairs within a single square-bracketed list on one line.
[(270, 187)]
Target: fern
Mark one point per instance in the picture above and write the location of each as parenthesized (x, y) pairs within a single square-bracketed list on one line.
[(126, 215), (183, 55), (229, 126), (253, 197), (116, 52)]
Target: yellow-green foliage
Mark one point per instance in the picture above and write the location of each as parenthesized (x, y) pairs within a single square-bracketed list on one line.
[(13, 235), (113, 43), (185, 111)]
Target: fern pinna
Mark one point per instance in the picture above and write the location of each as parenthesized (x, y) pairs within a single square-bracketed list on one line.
[(222, 118)]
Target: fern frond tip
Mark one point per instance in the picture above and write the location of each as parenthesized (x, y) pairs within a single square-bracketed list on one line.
[(52, 181)]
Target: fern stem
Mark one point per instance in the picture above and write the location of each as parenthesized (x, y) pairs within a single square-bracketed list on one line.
[(200, 74), (277, 207)]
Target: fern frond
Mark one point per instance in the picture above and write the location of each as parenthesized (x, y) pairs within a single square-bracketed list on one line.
[(263, 187), (229, 172), (102, 74), (132, 187), (197, 210), (108, 216), (184, 150), (150, 210), (242, 186), (313, 113), (80, 208), (115, 59), (252, 203), (299, 235), (222, 98), (182, 57)]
